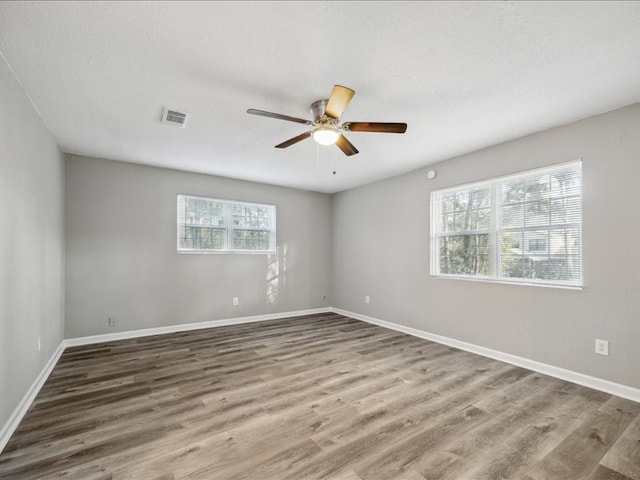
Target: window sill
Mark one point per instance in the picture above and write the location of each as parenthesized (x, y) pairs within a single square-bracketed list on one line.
[(504, 282), (225, 252)]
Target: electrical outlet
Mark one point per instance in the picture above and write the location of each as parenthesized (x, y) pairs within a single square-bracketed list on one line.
[(602, 347), (367, 299), (38, 345), (112, 322), (235, 301)]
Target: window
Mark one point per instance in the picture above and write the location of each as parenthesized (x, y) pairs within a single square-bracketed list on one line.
[(209, 225), (524, 228)]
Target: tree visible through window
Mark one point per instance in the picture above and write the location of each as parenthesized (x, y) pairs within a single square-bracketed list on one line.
[(520, 228), (464, 223), (214, 225)]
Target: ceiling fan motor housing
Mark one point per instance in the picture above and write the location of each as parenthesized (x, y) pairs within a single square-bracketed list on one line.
[(318, 110)]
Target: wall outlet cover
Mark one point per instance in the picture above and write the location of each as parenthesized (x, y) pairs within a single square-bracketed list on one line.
[(602, 347)]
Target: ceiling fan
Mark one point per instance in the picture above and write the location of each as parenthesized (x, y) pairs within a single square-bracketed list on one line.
[(327, 129)]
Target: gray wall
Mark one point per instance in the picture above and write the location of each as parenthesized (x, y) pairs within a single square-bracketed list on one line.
[(31, 243), (121, 258), (381, 249)]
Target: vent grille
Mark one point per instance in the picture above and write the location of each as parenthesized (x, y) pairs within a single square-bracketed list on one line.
[(174, 117)]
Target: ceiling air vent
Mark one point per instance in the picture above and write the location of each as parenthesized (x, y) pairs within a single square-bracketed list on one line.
[(174, 117)]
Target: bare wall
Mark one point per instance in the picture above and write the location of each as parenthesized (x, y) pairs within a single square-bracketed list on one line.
[(31, 244), (381, 249), (121, 258)]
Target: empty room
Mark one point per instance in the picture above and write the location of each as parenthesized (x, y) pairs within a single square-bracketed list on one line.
[(286, 240)]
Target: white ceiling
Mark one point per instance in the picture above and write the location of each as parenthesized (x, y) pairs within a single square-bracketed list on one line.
[(463, 75)]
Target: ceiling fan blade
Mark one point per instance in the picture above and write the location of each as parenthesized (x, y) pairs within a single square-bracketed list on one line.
[(338, 101), (279, 116), (381, 127), (293, 140), (346, 146)]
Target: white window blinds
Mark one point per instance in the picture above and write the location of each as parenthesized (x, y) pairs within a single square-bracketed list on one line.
[(464, 224), (209, 225), (524, 228)]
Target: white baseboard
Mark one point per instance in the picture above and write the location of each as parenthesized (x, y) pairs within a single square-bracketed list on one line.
[(613, 388), (109, 337), (16, 417)]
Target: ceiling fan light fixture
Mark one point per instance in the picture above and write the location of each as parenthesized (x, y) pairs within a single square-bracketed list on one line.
[(326, 135)]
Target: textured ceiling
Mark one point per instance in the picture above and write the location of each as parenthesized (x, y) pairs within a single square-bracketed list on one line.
[(463, 75)]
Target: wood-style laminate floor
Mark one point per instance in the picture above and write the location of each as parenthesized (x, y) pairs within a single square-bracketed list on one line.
[(319, 397)]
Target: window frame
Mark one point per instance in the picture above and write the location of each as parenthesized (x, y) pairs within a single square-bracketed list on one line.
[(229, 227), (496, 229)]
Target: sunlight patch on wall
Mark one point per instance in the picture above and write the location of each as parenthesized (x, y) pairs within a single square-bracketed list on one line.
[(276, 269)]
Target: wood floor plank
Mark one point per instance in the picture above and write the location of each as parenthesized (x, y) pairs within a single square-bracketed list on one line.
[(604, 473), (485, 451), (580, 453), (624, 455), (315, 397)]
